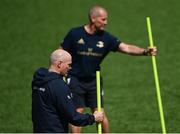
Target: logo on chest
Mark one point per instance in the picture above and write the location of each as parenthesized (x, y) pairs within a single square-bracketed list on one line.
[(100, 44), (81, 41), (90, 49)]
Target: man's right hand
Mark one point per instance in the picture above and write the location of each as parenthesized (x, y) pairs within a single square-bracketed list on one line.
[(99, 116)]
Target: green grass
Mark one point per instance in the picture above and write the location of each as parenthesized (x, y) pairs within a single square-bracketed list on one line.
[(31, 30)]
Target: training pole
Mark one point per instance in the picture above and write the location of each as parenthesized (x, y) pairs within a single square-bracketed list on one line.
[(156, 77), (98, 98)]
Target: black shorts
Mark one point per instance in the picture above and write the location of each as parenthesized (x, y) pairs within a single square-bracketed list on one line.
[(84, 92)]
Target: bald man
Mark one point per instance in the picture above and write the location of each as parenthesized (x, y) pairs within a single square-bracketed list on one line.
[(52, 106), (89, 45)]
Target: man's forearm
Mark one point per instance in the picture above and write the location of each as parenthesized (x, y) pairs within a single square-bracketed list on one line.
[(131, 49)]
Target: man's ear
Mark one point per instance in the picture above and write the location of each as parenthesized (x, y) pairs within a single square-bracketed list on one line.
[(93, 18), (59, 64)]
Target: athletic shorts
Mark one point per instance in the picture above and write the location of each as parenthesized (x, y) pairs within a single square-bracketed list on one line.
[(84, 92)]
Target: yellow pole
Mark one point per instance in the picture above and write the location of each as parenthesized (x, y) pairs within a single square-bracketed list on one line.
[(98, 98), (156, 77)]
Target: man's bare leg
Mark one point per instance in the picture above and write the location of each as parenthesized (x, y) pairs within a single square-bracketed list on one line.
[(105, 123)]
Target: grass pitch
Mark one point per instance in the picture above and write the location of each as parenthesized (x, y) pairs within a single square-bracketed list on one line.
[(31, 30)]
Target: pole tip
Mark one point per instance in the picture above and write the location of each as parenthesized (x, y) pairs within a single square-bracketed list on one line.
[(148, 18)]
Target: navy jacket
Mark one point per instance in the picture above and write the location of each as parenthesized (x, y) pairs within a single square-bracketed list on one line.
[(52, 106)]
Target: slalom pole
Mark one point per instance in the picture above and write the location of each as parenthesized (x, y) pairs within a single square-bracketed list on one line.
[(156, 77), (98, 98)]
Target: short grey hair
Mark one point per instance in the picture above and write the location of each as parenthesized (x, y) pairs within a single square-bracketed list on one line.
[(94, 11), (58, 55)]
